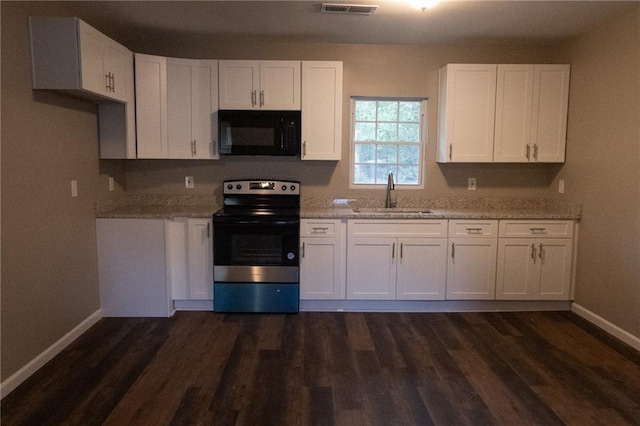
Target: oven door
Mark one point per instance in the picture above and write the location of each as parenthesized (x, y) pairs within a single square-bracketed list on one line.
[(256, 264)]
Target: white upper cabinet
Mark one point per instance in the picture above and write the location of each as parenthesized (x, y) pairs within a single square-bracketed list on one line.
[(192, 108), (503, 113), (466, 113), (321, 110), (69, 54), (269, 85), (549, 113), (176, 107)]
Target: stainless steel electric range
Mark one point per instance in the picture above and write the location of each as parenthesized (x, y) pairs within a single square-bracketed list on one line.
[(256, 244)]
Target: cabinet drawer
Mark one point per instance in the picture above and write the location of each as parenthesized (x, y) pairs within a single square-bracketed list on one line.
[(473, 228), (320, 227), (397, 228), (538, 228)]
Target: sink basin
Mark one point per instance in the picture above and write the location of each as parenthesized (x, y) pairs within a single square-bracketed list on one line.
[(393, 210)]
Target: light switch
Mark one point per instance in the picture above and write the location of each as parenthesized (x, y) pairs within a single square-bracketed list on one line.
[(74, 188)]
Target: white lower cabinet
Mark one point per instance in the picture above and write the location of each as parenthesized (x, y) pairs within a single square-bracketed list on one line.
[(396, 260), (537, 267), (322, 259), (471, 269), (132, 265), (190, 252)]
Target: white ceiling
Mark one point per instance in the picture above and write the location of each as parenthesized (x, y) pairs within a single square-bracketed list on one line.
[(395, 22)]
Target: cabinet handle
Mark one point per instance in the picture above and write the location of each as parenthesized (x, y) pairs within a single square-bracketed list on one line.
[(253, 98), (538, 230), (474, 230), (401, 249), (450, 152), (540, 252), (533, 252), (113, 82), (262, 98), (320, 230), (528, 154), (108, 79), (208, 231), (453, 250), (302, 249), (535, 151), (393, 251), (193, 148), (304, 148)]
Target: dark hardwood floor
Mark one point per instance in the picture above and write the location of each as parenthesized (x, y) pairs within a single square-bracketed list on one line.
[(545, 368)]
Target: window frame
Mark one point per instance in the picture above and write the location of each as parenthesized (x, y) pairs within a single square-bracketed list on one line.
[(423, 142)]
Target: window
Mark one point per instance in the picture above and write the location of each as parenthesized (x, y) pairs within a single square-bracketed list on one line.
[(388, 136)]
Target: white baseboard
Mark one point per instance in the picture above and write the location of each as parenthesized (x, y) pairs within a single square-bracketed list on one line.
[(13, 381), (610, 328)]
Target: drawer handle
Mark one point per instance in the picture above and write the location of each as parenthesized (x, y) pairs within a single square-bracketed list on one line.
[(320, 230), (538, 230), (474, 230)]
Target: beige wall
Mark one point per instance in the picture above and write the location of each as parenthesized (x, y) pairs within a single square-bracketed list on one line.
[(49, 261), (603, 168), (49, 265)]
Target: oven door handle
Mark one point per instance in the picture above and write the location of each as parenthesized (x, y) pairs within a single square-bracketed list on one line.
[(268, 222)]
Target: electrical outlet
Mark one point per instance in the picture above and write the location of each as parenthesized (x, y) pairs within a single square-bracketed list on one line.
[(188, 182), (471, 184), (561, 186), (112, 184)]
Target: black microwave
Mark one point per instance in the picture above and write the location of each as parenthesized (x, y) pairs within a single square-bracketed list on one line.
[(259, 132)]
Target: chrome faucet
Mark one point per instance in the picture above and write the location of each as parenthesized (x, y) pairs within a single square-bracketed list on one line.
[(390, 202)]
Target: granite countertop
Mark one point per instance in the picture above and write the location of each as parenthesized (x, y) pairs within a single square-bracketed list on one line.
[(143, 206), (202, 206)]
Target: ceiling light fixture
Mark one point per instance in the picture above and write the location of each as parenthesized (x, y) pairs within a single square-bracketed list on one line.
[(423, 4)]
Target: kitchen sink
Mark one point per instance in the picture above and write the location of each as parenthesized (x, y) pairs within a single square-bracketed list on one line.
[(392, 210)]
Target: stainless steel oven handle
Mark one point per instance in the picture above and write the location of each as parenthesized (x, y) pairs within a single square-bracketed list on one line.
[(270, 222)]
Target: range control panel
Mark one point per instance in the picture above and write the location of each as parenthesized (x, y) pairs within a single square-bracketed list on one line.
[(261, 187)]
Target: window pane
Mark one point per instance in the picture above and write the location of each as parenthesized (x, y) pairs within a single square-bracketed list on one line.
[(409, 154), (407, 175), (382, 174), (365, 132), (387, 111), (365, 111), (387, 132), (409, 132), (387, 154), (364, 173), (365, 153), (409, 111)]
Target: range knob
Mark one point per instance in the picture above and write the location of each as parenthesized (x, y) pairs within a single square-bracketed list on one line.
[(293, 187), (238, 187), (284, 187), (229, 186)]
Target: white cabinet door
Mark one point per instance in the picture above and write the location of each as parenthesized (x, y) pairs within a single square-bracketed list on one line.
[(191, 108), (514, 99), (549, 114), (471, 270), (200, 259), (555, 260), (466, 113), (422, 271), (279, 85), (322, 268), (515, 277), (269, 85), (103, 63), (151, 106), (238, 84), (321, 110), (534, 269), (371, 271)]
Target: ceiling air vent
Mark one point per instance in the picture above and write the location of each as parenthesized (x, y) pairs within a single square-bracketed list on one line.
[(358, 9)]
